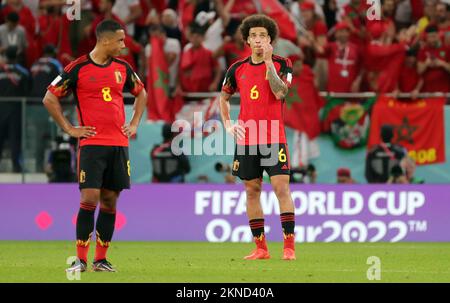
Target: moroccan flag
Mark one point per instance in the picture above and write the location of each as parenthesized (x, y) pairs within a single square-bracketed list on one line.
[(418, 126), (347, 121), (159, 104), (286, 25), (303, 104)]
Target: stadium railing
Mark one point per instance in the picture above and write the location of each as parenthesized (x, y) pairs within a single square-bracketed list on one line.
[(27, 104)]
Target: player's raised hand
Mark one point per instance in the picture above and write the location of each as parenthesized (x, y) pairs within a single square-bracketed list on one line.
[(236, 131), (129, 130), (267, 51), (82, 131)]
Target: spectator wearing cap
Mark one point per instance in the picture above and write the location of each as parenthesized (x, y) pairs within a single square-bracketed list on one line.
[(382, 157), (234, 47), (13, 34), (199, 71), (14, 82), (344, 61), (172, 51), (434, 62), (344, 176)]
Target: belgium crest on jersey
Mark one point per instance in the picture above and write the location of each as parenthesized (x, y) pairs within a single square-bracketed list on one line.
[(118, 76)]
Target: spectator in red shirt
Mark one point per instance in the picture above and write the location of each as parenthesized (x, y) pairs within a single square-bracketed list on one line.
[(410, 80), (50, 25), (344, 61), (199, 71), (233, 48), (355, 15), (383, 59), (317, 29), (313, 39), (238, 9), (434, 64), (443, 18), (105, 7)]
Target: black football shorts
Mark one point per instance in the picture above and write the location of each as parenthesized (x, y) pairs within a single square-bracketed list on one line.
[(250, 161), (105, 167)]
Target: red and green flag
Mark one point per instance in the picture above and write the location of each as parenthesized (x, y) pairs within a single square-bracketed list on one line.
[(303, 104), (347, 121), (160, 105), (418, 126)]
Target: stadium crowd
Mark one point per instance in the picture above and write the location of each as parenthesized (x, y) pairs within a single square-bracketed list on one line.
[(402, 47), (336, 38)]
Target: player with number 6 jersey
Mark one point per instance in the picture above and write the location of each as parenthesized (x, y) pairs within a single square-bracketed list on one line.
[(262, 80)]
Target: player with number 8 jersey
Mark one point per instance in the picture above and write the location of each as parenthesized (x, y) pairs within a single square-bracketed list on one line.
[(97, 81)]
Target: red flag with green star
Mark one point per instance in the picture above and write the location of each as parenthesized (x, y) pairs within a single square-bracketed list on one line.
[(418, 126), (159, 105), (303, 103)]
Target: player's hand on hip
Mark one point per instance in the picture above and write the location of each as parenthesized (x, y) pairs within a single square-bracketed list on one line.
[(236, 131), (129, 130), (82, 131), (267, 51)]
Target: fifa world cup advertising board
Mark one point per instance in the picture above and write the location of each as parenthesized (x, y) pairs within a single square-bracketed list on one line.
[(217, 213)]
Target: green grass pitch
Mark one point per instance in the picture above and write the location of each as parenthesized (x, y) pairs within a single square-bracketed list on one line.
[(184, 262)]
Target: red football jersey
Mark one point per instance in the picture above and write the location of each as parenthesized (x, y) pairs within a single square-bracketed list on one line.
[(98, 91), (260, 110)]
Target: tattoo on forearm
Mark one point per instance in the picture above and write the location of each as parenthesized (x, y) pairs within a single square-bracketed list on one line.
[(276, 84)]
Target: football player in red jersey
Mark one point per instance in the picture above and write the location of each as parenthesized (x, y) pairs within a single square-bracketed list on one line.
[(97, 81), (262, 80)]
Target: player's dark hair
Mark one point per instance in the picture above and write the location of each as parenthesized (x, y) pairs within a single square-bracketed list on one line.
[(259, 21), (107, 26)]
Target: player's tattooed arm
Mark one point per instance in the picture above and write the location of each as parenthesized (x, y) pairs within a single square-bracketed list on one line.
[(278, 87)]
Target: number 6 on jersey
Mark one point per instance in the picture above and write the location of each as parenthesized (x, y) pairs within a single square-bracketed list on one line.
[(254, 93)]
